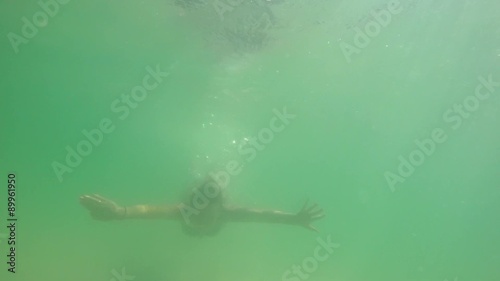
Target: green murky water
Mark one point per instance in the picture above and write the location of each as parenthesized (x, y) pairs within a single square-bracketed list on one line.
[(392, 129)]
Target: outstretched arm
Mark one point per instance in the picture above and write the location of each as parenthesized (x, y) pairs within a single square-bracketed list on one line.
[(303, 218), (104, 209)]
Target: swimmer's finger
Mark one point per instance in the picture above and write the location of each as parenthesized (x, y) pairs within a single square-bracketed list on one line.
[(100, 198), (90, 202)]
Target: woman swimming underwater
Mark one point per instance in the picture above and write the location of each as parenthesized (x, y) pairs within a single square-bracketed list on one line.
[(204, 213)]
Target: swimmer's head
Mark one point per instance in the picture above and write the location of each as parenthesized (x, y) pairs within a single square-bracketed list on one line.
[(209, 192), (205, 208)]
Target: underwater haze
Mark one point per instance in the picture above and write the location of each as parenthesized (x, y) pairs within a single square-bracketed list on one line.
[(385, 113)]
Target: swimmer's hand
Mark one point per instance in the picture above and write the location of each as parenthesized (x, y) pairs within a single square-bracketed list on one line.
[(307, 215), (101, 208)]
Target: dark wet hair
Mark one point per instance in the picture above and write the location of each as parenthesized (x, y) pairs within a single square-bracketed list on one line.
[(208, 189), (208, 194)]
